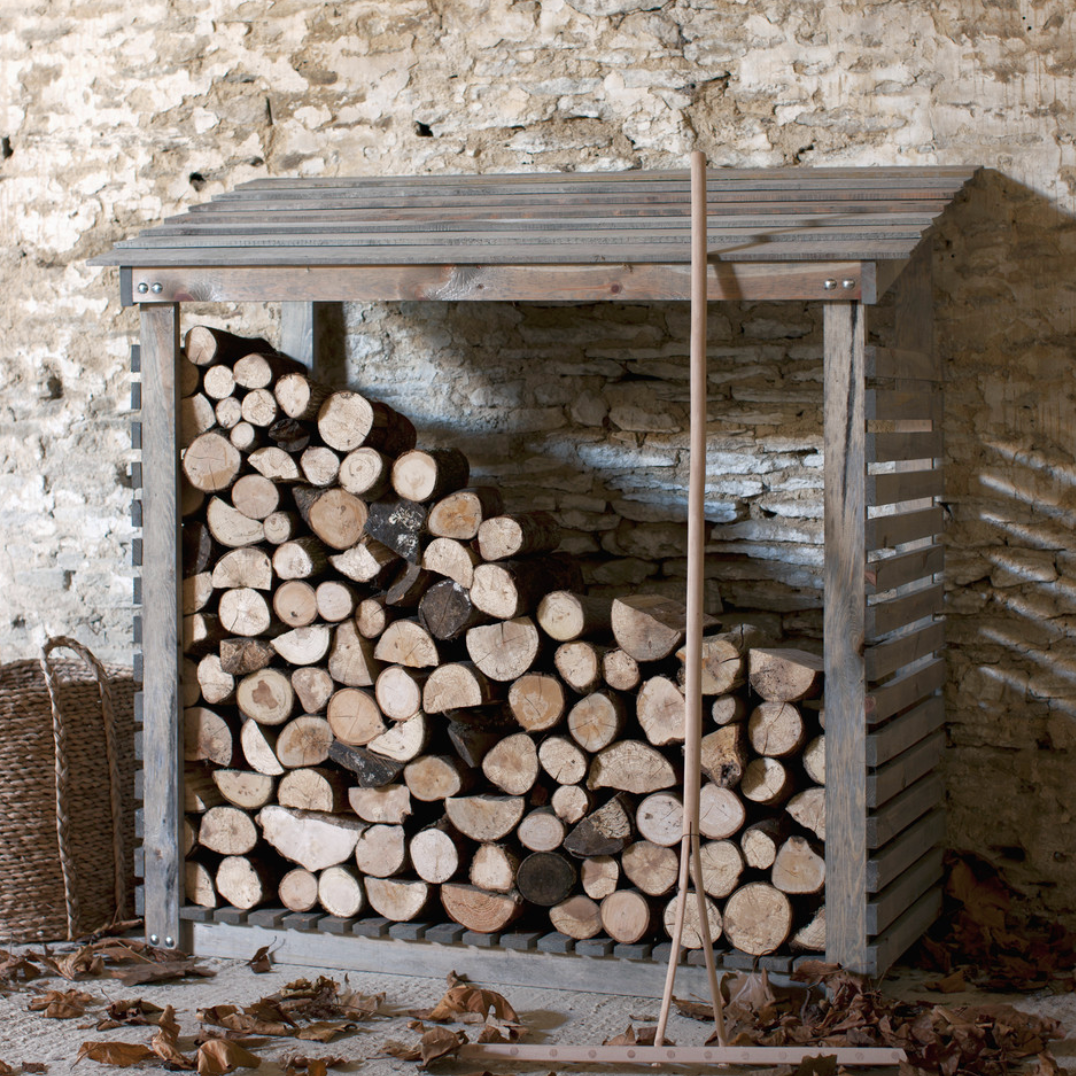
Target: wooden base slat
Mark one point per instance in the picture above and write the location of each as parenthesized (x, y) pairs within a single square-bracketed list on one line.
[(681, 1055), (901, 811), (905, 770), (900, 854), (888, 532), (522, 942), (905, 486), (888, 657), (233, 917), (908, 929), (373, 927), (335, 924), (192, 913), (302, 920), (901, 894), (899, 694), (886, 617), (900, 363), (269, 918)]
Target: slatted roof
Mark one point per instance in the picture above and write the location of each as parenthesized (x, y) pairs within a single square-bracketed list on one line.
[(570, 219)]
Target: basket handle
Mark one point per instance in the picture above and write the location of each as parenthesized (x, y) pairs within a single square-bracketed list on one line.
[(59, 733)]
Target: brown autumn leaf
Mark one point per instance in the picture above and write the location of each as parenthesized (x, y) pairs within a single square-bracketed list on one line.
[(83, 963), (357, 1006), (823, 1065), (219, 1056), (6, 1069), (120, 1054), (135, 1012), (261, 962), (110, 930), (34, 1066), (62, 1004), (313, 1066), (323, 1031), (18, 968), (440, 1042), (951, 984), (501, 1031), (401, 1051), (470, 999), (159, 972), (245, 1023), (645, 1036), (165, 1041)]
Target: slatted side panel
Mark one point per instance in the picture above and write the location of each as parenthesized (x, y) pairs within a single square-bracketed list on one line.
[(136, 596)]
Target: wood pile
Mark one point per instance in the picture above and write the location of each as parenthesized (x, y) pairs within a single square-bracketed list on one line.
[(400, 702)]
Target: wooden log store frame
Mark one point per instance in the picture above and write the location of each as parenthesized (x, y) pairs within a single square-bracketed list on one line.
[(842, 237)]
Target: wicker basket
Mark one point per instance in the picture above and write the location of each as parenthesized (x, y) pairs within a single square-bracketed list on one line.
[(66, 795)]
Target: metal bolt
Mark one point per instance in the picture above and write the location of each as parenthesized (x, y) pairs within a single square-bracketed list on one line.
[(157, 288), (143, 288), (153, 939), (170, 943), (829, 285), (848, 284)]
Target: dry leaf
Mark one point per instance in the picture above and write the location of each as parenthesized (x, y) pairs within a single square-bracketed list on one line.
[(356, 1006), (84, 963), (162, 971), (34, 1066), (15, 968), (261, 962), (313, 1066), (824, 1065), (135, 1012), (399, 1050), (6, 1069), (62, 1004), (165, 1041), (465, 998), (120, 1054), (440, 1042), (951, 984), (323, 1031), (219, 1056)]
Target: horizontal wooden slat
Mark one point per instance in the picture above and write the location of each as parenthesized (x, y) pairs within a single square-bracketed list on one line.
[(895, 776), (888, 616), (893, 404), (901, 811), (905, 891), (888, 532), (886, 447), (898, 855), (905, 691), (891, 572), (905, 486), (908, 929), (895, 363), (904, 731), (888, 657)]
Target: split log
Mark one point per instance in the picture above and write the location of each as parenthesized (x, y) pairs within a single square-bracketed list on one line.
[(408, 587), (437, 777), (757, 919), (248, 567), (799, 868), (577, 917), (562, 760), (785, 675), (259, 748), (649, 626), (632, 766), (289, 436), (216, 685), (723, 662), (313, 687), (298, 890), (244, 882), (366, 473), (352, 660), (243, 611), (334, 515), (197, 591), (653, 868), (661, 711), (189, 378), (199, 550), (692, 933), (814, 760), (812, 935), (627, 915), (721, 812), (580, 664), (457, 686), (312, 839), (275, 464), (398, 691), (512, 764), (422, 476), (346, 421), (335, 600), (300, 396), (202, 632), (565, 616), (241, 788), (267, 696), (407, 643), (728, 709), (313, 789), (479, 911), (505, 650), (761, 840), (571, 803), (211, 462), (597, 720), (198, 885), (304, 741), (722, 865), (520, 535), (304, 646), (620, 671), (197, 415), (451, 558), (485, 818), (381, 851), (204, 344), (369, 770), (474, 733), (599, 876), (604, 832), (460, 514), (207, 736), (537, 701), (190, 694), (230, 527), (256, 497), (494, 868), (659, 818), (398, 524), (366, 562), (227, 830), (397, 899), (404, 741), (200, 792), (372, 617), (776, 729), (295, 602), (320, 466), (437, 852), (513, 588), (447, 610), (766, 781), (281, 527), (808, 808), (260, 409), (541, 831), (723, 755), (340, 891), (546, 878), (390, 804)]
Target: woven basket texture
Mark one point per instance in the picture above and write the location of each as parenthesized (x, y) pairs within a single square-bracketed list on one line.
[(34, 905)]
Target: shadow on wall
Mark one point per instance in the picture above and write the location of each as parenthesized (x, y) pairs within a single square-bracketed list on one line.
[(1005, 276)]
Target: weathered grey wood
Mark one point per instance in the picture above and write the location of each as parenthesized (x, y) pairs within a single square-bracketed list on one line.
[(898, 694), (905, 486), (161, 578), (906, 730), (845, 601), (888, 657), (906, 930), (905, 891), (900, 612), (886, 532), (903, 402), (904, 770), (905, 364), (892, 572), (308, 333), (918, 798), (888, 864)]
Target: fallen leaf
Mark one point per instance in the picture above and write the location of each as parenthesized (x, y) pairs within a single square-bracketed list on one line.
[(84, 963), (261, 962), (165, 1041), (34, 1066), (401, 1051), (120, 1054), (466, 998), (219, 1056), (62, 1004), (160, 972), (440, 1042), (15, 968), (951, 984), (313, 1066), (323, 1031), (111, 930), (134, 1012), (6, 1069), (357, 1006), (824, 1065)]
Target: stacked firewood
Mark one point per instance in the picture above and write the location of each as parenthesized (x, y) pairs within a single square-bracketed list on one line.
[(399, 696)]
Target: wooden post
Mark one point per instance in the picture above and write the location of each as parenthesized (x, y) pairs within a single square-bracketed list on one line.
[(161, 638), (843, 630), (308, 333)]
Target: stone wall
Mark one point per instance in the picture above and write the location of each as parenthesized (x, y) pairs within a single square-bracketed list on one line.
[(112, 117)]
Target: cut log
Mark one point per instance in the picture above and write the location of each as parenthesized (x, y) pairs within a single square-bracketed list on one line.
[(334, 515), (189, 692), (244, 611), (256, 497), (505, 650), (298, 890), (372, 617), (398, 524), (604, 832), (304, 741), (398, 691), (248, 567), (546, 878), (241, 788), (313, 789), (514, 588), (404, 741), (367, 562), (448, 557), (447, 611), (723, 755), (228, 412), (197, 415), (198, 886), (281, 527), (204, 344), (722, 865), (407, 643), (260, 408), (520, 535), (304, 646), (494, 868), (728, 709), (216, 685), (366, 473), (653, 868), (776, 729), (627, 915), (247, 437), (474, 733), (479, 911), (289, 436), (390, 804), (620, 671), (258, 369), (577, 917), (537, 701), (649, 626), (632, 766), (579, 664), (267, 696), (512, 765), (189, 378), (340, 891), (386, 430), (202, 632), (692, 934), (723, 665), (808, 808), (599, 876), (369, 770), (227, 830), (211, 462), (431, 778), (812, 936), (597, 720), (562, 760), (354, 716), (207, 736), (200, 793), (571, 803), (814, 760), (344, 420), (460, 514), (230, 527), (659, 818), (565, 616), (761, 840), (785, 675), (199, 550), (295, 602), (275, 464), (259, 748), (320, 466), (396, 899), (721, 812), (757, 919), (381, 851), (300, 396), (485, 818), (766, 781), (799, 868), (312, 839), (457, 686), (335, 600), (313, 687), (660, 709), (422, 476), (408, 586), (437, 852), (352, 660), (244, 882), (541, 831)]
